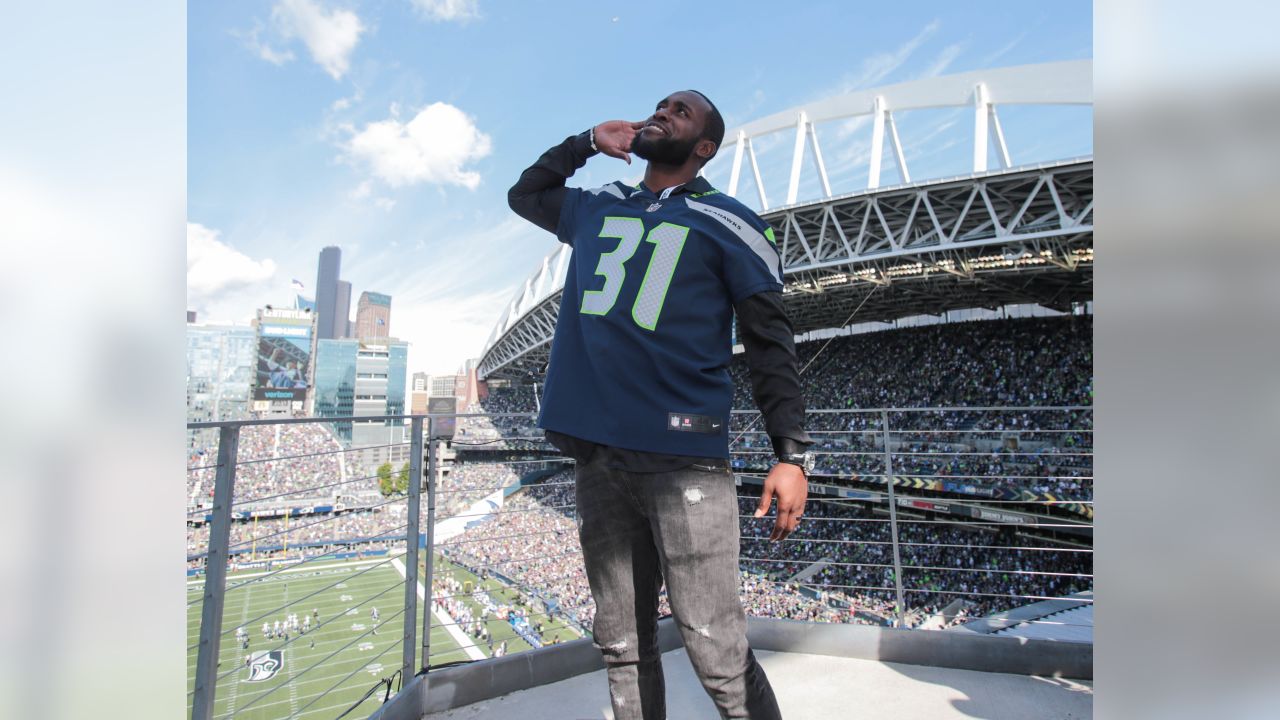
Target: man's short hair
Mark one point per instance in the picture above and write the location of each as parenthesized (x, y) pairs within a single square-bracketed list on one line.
[(713, 129)]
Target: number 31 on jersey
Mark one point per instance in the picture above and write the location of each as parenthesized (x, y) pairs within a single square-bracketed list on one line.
[(668, 240)]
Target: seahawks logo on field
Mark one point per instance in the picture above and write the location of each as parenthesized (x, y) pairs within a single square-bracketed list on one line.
[(264, 665)]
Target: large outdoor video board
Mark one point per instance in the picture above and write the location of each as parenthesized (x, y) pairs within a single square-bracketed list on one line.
[(284, 355)]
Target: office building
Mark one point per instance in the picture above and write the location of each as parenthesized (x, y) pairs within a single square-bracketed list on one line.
[(342, 321), (373, 316), (355, 378), (327, 294), (220, 368), (418, 393)]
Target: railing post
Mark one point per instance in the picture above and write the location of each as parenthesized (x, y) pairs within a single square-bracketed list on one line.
[(215, 575), (431, 543), (893, 519), (411, 552)]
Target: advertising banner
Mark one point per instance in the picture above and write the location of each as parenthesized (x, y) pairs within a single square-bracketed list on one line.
[(284, 355)]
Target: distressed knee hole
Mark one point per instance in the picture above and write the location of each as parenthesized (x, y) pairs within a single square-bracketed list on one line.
[(617, 647), (703, 630), (693, 496)]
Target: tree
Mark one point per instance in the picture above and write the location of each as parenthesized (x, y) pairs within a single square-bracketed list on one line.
[(385, 482), (402, 480)]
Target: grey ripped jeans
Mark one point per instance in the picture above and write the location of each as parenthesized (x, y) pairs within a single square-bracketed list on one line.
[(638, 528)]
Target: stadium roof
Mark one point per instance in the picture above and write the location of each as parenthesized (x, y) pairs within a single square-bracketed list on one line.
[(986, 239)]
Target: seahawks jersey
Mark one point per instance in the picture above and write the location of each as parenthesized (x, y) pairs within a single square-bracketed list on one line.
[(642, 344)]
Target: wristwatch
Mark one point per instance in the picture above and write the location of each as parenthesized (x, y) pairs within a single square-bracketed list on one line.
[(804, 460)]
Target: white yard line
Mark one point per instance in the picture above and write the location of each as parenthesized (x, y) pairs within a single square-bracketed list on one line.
[(465, 643), (303, 568), (235, 677), (288, 664)]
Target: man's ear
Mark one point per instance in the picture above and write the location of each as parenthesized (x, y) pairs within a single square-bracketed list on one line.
[(705, 149)]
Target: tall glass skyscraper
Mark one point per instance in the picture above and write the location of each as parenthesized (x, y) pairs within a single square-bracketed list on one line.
[(327, 295), (220, 367), (342, 311), (335, 382), (353, 379)]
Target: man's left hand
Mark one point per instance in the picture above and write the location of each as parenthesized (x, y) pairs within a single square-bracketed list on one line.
[(788, 483)]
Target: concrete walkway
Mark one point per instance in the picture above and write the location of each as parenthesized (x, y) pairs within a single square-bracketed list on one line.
[(816, 687)]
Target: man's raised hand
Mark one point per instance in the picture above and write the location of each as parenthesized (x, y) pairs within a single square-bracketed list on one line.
[(613, 138)]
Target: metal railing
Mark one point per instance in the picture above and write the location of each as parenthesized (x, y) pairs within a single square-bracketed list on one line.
[(917, 518)]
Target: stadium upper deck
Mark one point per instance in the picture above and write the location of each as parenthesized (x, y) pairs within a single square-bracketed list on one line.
[(990, 238)]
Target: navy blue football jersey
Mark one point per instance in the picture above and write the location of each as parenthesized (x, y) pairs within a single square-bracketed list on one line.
[(642, 344)]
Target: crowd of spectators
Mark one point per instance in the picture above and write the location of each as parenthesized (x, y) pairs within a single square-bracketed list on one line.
[(534, 542), (269, 534), (299, 462), (984, 364), (496, 430), (985, 564), (847, 549), (1022, 362), (469, 482), (844, 548)]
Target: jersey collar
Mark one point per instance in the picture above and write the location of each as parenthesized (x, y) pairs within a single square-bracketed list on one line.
[(697, 185)]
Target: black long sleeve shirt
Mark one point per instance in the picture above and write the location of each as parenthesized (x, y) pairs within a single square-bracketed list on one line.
[(763, 326)]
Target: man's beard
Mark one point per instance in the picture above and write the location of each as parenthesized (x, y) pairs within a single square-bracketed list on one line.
[(663, 150)]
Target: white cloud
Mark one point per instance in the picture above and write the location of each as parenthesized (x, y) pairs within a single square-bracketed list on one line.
[(216, 270), (877, 67), (362, 190), (943, 61), (330, 36), (384, 203), (275, 57), (446, 10), (252, 39), (340, 104), (433, 147)]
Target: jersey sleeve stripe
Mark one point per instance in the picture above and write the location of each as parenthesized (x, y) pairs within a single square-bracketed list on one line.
[(610, 188), (754, 240)]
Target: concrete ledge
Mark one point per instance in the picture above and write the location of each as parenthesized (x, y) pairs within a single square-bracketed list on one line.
[(963, 651), (461, 685)]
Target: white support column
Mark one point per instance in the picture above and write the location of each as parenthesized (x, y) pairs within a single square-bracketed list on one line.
[(817, 159), (793, 187), (736, 172), (999, 132), (981, 110), (755, 170), (877, 143), (897, 148)]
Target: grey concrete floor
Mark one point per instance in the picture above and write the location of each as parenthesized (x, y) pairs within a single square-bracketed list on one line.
[(816, 687)]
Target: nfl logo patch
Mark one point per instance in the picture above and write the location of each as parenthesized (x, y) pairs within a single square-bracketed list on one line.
[(653, 207), (675, 422)]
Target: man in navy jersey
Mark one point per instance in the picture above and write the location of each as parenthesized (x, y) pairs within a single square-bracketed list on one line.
[(638, 392)]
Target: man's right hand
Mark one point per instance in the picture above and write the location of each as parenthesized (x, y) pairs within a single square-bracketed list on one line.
[(613, 138)]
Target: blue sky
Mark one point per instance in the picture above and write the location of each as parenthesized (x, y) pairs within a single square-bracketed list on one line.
[(394, 128)]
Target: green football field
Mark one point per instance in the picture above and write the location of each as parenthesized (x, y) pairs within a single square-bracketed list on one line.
[(325, 671)]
